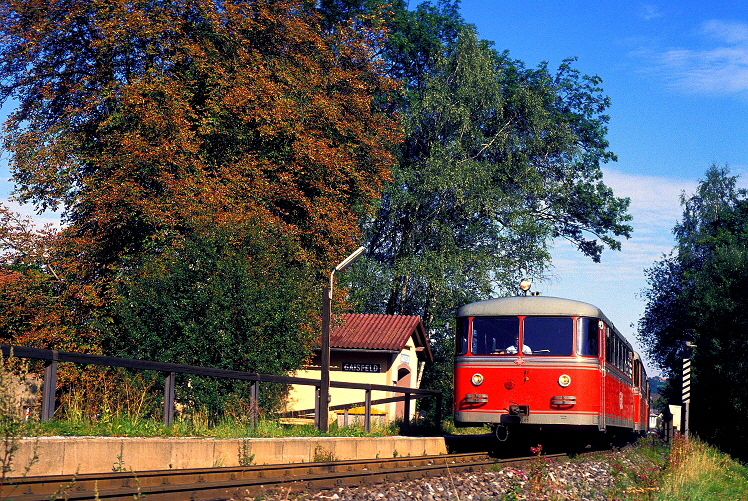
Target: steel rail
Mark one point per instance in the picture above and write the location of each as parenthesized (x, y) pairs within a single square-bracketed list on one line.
[(244, 482)]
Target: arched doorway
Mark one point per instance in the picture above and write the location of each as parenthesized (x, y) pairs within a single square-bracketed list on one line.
[(403, 381)]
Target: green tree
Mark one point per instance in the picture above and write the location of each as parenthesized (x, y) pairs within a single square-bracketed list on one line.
[(699, 295), (667, 323), (497, 161), (204, 303)]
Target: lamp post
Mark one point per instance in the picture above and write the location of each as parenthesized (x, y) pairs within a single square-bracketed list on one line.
[(323, 402)]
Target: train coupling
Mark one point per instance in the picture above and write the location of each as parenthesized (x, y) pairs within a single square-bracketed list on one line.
[(519, 410)]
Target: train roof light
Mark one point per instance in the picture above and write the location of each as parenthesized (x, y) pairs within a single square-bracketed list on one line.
[(525, 285)]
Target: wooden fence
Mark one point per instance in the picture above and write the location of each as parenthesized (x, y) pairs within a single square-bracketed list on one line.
[(53, 357)]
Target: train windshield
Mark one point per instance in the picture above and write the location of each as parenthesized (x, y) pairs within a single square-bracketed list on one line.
[(492, 335), (461, 341), (549, 335)]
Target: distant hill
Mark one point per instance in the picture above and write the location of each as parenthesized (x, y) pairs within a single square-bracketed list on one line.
[(655, 387)]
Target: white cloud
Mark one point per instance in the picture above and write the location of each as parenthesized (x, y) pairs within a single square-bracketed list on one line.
[(719, 66), (730, 32), (655, 207), (649, 12), (27, 211)]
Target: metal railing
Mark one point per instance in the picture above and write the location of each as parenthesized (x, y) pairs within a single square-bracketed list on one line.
[(53, 357)]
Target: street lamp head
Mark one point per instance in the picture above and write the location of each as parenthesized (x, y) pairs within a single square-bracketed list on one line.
[(350, 259), (345, 264)]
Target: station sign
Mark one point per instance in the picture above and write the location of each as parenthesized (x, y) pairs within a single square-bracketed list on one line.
[(356, 367)]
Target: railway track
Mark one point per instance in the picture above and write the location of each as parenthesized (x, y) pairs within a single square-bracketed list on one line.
[(239, 483)]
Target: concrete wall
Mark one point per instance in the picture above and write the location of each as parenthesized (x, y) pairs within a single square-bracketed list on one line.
[(68, 455)]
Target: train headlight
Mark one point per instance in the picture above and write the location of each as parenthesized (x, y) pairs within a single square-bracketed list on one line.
[(477, 379), (564, 380)]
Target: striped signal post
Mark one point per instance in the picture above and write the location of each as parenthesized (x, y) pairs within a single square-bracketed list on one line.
[(686, 393)]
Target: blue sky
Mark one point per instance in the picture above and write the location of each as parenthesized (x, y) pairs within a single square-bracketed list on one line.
[(677, 75)]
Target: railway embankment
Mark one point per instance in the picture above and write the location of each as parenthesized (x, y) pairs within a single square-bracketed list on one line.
[(685, 470), (70, 455)]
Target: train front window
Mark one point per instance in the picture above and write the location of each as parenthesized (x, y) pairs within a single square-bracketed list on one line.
[(587, 344), (549, 335), (492, 335)]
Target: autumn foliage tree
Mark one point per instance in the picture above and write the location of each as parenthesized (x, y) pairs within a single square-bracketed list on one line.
[(235, 134), (30, 284)]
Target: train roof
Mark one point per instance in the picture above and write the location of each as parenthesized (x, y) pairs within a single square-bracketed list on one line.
[(532, 305)]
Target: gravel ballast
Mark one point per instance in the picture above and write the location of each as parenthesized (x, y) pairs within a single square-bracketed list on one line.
[(588, 480)]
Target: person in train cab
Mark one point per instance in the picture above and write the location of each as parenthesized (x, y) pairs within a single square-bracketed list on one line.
[(512, 350)]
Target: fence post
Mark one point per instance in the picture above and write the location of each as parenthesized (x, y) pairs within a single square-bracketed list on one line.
[(254, 402), (169, 398), (406, 411), (49, 389), (439, 411), (367, 411), (316, 407)]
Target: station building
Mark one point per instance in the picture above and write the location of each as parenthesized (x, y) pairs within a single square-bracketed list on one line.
[(389, 350)]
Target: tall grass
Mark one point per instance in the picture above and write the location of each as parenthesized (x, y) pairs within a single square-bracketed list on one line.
[(117, 402), (697, 471), (198, 424)]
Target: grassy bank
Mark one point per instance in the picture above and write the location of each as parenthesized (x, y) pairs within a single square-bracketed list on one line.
[(685, 470), (696, 471)]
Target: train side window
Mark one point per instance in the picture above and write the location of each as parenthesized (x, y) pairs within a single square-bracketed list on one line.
[(619, 353), (609, 346), (549, 335), (492, 335), (629, 362), (587, 344), (461, 341), (619, 358)]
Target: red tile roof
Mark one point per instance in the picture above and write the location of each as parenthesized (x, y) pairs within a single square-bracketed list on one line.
[(364, 331)]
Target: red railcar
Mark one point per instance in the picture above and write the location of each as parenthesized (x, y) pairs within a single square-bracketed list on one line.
[(545, 363)]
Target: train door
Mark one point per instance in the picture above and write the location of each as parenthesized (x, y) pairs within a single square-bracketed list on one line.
[(603, 333), (636, 389)]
